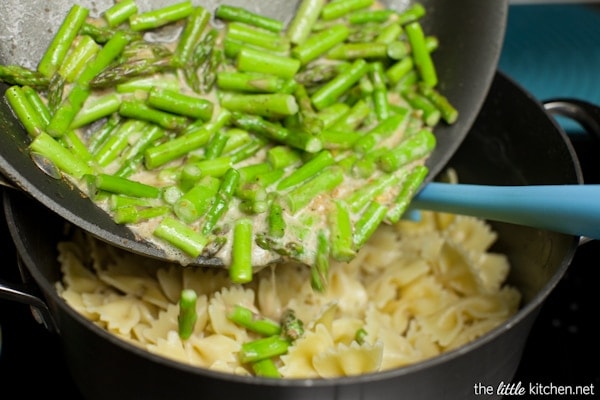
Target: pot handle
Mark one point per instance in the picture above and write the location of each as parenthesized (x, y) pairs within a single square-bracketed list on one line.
[(21, 293), (581, 111)]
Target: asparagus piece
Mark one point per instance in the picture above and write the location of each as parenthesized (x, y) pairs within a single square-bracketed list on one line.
[(195, 26), (384, 129), (320, 267), (215, 167), (431, 113), (102, 34), (369, 50), (240, 270), (361, 336), (69, 108), (315, 74), (360, 197), (368, 222), (301, 196), (291, 326), (389, 33), (181, 236), (421, 54), (55, 92), (96, 109), (149, 134), (399, 70), (200, 61), (222, 200), (237, 14), (302, 22), (276, 221), (78, 58), (253, 322), (215, 146), (411, 14), (257, 37), (134, 215), (249, 173), (261, 349), (282, 157), (412, 148), (157, 156), (274, 105), (38, 106), (409, 187), (319, 43), (116, 142), (248, 150), (129, 69), (266, 368), (369, 16), (71, 141), (260, 126), (337, 9), (188, 315), (64, 160), (25, 111), (380, 92), (194, 203), (253, 82), (448, 112), (307, 170), (330, 92), (120, 12), (62, 40), (250, 60), (117, 201), (115, 184), (17, 75), (162, 16), (107, 54), (181, 104), (340, 226), (354, 118)]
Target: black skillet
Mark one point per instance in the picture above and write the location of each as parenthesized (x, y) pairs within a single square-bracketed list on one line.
[(471, 37)]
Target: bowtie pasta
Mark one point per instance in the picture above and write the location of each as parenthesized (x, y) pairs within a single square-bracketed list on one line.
[(416, 290)]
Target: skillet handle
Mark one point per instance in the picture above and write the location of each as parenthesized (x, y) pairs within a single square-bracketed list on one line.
[(20, 293)]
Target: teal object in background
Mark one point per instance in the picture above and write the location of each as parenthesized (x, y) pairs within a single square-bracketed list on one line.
[(553, 50)]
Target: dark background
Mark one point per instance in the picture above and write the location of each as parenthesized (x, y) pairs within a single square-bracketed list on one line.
[(553, 50)]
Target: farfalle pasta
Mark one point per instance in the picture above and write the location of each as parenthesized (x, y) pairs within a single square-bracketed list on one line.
[(415, 290)]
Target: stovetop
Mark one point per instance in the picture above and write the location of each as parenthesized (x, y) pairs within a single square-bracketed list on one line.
[(553, 50)]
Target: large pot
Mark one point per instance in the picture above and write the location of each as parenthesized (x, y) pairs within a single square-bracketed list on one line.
[(513, 142)]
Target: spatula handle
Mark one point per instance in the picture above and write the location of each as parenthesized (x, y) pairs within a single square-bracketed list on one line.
[(572, 209)]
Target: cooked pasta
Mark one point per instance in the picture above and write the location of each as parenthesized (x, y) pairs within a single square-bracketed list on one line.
[(416, 290)]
